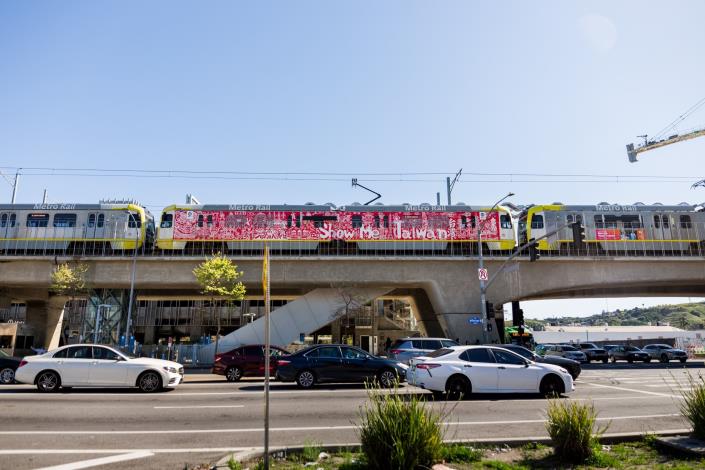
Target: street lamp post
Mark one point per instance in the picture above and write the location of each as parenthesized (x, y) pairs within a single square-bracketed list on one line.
[(481, 265), (128, 322)]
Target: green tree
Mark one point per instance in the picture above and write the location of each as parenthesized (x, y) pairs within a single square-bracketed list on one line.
[(69, 281), (682, 321), (218, 278)]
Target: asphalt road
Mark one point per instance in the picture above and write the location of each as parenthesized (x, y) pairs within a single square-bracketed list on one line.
[(206, 417)]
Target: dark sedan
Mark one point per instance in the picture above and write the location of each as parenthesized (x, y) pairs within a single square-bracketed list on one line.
[(594, 352), (338, 363), (8, 366), (573, 367), (246, 361), (629, 354)]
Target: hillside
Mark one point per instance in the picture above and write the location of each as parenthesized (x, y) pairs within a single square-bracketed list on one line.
[(687, 316)]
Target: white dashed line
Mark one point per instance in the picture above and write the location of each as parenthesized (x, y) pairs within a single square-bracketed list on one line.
[(100, 461)]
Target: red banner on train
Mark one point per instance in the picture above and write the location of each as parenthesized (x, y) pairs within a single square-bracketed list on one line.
[(326, 226)]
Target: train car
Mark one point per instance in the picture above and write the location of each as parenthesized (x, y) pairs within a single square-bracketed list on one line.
[(317, 227), (79, 228), (614, 228)]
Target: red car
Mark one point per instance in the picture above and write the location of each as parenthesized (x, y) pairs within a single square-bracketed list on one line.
[(245, 361)]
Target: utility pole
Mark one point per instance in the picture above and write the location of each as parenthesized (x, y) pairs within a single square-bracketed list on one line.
[(14, 186), (438, 199), (450, 184)]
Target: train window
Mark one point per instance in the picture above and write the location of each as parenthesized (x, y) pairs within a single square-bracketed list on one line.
[(91, 220), (630, 221), (167, 220), (200, 220), (13, 219), (3, 220), (598, 221), (473, 221), (357, 221), (385, 221), (288, 221), (657, 221), (377, 221), (686, 222), (463, 222), (664, 221), (505, 221), (37, 220), (133, 221), (569, 218), (579, 219), (412, 221), (437, 222), (320, 220), (610, 221), (101, 220), (537, 221), (210, 220)]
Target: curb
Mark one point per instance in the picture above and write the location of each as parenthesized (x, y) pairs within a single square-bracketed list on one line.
[(610, 438)]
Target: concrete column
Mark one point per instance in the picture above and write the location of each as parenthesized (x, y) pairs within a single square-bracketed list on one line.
[(53, 326), (5, 302)]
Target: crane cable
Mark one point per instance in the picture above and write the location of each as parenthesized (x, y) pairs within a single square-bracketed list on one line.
[(678, 120)]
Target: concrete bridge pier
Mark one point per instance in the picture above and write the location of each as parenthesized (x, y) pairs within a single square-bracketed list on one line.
[(46, 319)]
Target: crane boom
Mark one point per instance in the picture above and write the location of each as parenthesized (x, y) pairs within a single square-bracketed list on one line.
[(633, 151)]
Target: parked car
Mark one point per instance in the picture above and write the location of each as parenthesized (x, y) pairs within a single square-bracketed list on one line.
[(246, 361), (569, 352), (569, 364), (665, 353), (462, 370), (337, 363), (8, 366), (92, 365), (609, 347), (540, 349), (629, 354), (594, 352), (404, 349)]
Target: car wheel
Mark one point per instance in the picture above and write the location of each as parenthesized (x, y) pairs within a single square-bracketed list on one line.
[(438, 396), (48, 381), (149, 382), (458, 387), (604, 361), (551, 386), (613, 359), (387, 378), (647, 360), (664, 358), (305, 379), (630, 361), (683, 360), (233, 374), (7, 376)]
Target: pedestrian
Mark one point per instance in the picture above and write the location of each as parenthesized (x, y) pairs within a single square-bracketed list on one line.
[(388, 344)]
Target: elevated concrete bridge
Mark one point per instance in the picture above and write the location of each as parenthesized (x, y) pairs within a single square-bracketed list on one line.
[(446, 291)]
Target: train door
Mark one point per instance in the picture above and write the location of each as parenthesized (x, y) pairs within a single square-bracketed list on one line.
[(8, 228), (95, 226), (662, 227)]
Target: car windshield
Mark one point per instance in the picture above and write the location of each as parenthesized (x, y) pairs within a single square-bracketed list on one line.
[(126, 353), (521, 351), (631, 348), (569, 348)]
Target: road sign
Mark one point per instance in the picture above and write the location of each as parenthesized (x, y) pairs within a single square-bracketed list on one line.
[(482, 274), (475, 321)]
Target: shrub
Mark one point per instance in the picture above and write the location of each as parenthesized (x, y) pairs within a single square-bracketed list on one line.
[(461, 453), (571, 426), (398, 432), (234, 464), (311, 451), (693, 405)]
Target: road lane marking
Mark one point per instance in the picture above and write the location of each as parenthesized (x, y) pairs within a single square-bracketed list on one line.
[(632, 390), (121, 451), (302, 428), (101, 461), (183, 407)]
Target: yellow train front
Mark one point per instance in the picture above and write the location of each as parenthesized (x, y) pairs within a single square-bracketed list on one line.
[(74, 228), (636, 229)]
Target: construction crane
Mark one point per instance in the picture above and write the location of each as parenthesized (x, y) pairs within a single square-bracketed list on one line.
[(660, 139)]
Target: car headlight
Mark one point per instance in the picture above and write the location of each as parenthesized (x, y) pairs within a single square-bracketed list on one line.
[(173, 370)]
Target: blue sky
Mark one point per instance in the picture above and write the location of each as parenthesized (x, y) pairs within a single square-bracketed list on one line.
[(516, 87)]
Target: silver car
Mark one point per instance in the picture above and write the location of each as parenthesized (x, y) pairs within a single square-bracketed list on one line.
[(665, 353), (404, 349), (565, 351)]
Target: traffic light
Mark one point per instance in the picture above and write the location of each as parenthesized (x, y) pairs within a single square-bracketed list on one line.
[(578, 233), (534, 254), (489, 308), (518, 317)]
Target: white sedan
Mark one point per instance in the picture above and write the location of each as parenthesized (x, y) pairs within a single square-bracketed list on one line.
[(91, 365), (462, 370)]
